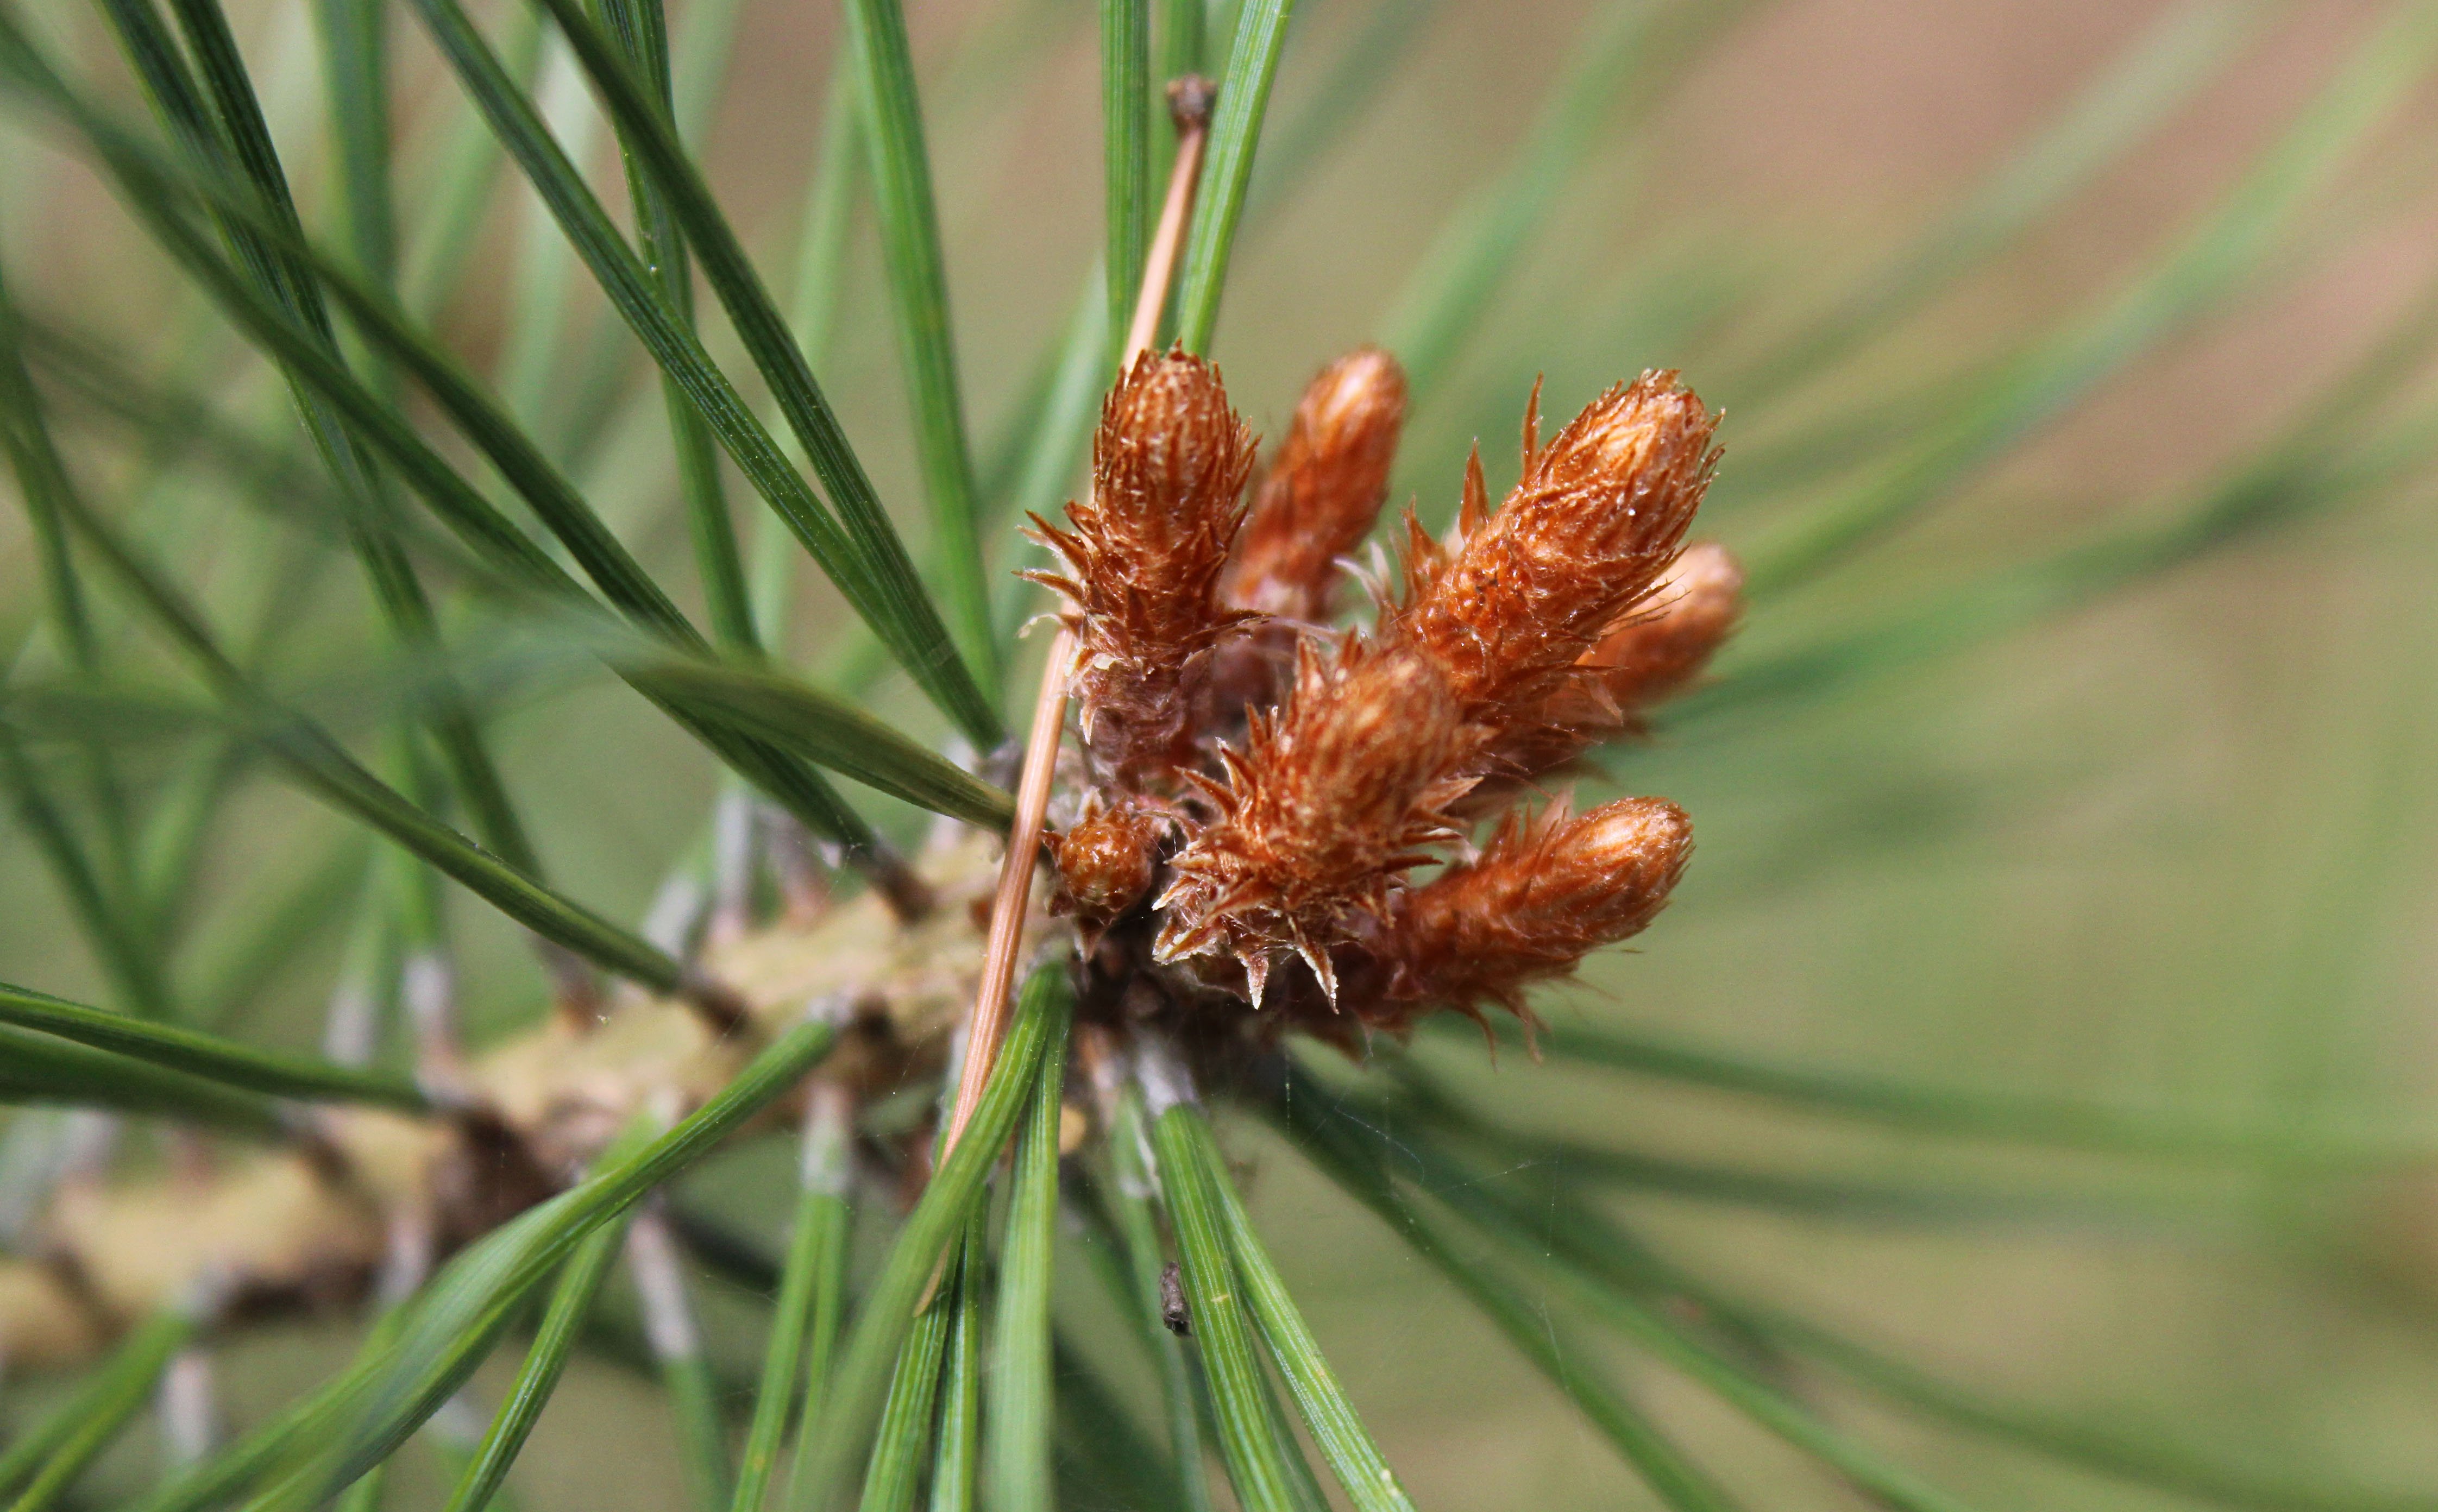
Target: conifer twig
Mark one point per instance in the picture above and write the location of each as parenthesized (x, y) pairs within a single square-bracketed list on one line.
[(1190, 102)]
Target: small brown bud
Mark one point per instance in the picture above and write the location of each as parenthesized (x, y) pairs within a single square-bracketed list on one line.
[(1545, 893), (1106, 859), (1323, 490), (1144, 559), (1332, 797), (1594, 522)]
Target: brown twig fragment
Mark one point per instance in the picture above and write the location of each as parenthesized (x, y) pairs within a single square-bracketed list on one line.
[(1190, 104)]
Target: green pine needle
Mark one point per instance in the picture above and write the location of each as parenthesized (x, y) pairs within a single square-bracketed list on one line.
[(804, 1320), (854, 543), (562, 1322), (1228, 167), (1664, 1465), (889, 1313), (457, 1317), (203, 1055), (910, 230), (42, 1466), (1343, 1440), (1258, 1455), (1021, 1410)]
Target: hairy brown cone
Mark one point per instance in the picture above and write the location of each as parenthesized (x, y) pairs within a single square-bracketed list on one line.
[(1323, 490), (1505, 611), (1143, 561), (1660, 644), (1545, 893), (1332, 797), (1319, 498)]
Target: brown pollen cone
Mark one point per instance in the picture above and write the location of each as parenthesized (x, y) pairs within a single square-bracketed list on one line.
[(1661, 644), (1334, 795), (1545, 893), (1323, 489), (1505, 612), (1143, 561)]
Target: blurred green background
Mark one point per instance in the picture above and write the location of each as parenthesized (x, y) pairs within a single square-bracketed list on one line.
[(2149, 831)]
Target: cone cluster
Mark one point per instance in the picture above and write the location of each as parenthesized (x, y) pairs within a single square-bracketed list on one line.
[(1278, 810)]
